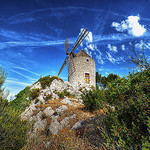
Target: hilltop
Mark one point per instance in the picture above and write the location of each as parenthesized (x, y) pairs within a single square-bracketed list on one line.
[(53, 106)]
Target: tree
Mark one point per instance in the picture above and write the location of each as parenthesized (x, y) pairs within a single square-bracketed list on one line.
[(12, 129), (138, 58)]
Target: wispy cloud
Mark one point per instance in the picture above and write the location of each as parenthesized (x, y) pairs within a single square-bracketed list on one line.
[(21, 68), (52, 12), (25, 76)]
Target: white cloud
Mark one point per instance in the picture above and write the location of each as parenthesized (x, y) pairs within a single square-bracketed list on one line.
[(131, 25), (112, 48), (123, 47), (89, 38), (110, 58), (100, 69), (91, 47), (99, 58), (142, 44)]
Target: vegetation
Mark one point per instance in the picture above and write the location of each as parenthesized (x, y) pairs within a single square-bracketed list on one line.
[(12, 129), (46, 81), (104, 81), (64, 93), (22, 100), (128, 124), (34, 93), (92, 100)]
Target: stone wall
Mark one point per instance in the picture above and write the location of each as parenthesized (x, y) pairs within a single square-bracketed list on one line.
[(82, 66)]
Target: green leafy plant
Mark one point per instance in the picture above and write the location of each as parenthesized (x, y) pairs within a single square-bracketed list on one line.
[(13, 131), (64, 93), (22, 100), (92, 100), (34, 93), (128, 125)]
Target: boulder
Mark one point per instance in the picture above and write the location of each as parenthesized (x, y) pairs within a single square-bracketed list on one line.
[(40, 125), (61, 109), (55, 126), (48, 111), (66, 100)]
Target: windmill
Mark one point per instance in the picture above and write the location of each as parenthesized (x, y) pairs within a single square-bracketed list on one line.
[(69, 58)]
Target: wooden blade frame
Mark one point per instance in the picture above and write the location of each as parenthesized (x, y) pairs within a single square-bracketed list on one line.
[(81, 37), (63, 65), (66, 46)]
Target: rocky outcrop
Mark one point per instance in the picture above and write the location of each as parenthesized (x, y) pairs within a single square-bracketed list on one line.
[(48, 112)]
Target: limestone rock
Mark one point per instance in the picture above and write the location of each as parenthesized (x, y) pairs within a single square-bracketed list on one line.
[(36, 86), (65, 122), (48, 111), (40, 125), (55, 126), (66, 100), (41, 99), (78, 125), (61, 109)]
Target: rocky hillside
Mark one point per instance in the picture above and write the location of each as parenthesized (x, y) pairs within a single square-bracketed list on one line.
[(56, 106)]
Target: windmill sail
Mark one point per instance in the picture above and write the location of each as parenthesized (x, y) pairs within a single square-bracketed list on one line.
[(63, 65), (80, 39), (69, 59)]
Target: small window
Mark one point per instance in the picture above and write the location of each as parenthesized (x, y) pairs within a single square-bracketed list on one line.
[(87, 78), (87, 60)]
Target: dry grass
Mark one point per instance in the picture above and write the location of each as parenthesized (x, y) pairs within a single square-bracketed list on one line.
[(85, 138)]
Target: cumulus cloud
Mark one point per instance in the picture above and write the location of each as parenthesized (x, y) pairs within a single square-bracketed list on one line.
[(131, 25), (112, 48)]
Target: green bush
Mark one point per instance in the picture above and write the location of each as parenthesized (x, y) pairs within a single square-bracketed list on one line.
[(34, 93), (128, 125), (92, 100), (21, 102), (46, 81), (49, 96), (13, 131), (64, 93)]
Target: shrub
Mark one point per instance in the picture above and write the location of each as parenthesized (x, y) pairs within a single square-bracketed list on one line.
[(13, 131), (46, 81), (128, 126), (64, 93), (49, 96), (92, 100), (21, 102), (35, 93)]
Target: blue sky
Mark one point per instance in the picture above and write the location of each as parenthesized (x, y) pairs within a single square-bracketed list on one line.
[(32, 35)]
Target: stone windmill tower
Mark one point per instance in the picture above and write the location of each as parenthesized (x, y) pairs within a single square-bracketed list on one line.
[(81, 67)]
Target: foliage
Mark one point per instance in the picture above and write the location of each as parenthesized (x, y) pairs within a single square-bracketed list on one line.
[(21, 101), (3, 76), (46, 81), (128, 125), (64, 93), (12, 129), (92, 100), (49, 96), (104, 81), (34, 93)]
